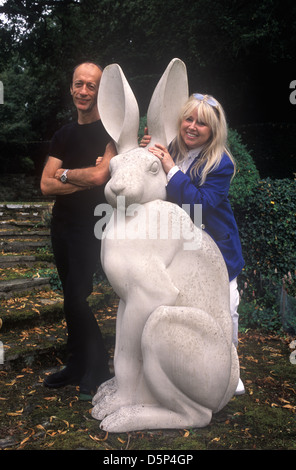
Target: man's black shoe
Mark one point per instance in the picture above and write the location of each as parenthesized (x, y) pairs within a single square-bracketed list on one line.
[(90, 382), (61, 379)]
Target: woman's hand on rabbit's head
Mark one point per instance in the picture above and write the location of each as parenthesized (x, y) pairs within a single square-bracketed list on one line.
[(159, 151), (164, 156)]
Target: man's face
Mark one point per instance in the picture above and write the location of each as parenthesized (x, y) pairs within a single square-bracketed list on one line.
[(85, 86)]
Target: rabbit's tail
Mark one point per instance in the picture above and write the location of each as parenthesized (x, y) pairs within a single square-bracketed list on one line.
[(188, 363)]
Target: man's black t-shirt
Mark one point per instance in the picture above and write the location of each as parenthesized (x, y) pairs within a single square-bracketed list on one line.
[(78, 146)]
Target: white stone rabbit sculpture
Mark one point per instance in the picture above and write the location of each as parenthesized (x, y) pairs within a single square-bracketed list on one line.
[(174, 362)]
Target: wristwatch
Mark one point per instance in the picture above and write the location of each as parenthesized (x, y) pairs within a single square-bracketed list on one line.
[(64, 177)]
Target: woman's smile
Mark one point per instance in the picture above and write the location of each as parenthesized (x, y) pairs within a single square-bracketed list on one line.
[(193, 132)]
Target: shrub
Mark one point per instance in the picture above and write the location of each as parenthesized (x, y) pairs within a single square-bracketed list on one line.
[(247, 175), (265, 214), (267, 225), (266, 218)]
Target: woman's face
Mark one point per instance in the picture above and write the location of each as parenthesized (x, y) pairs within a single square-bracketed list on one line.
[(194, 132)]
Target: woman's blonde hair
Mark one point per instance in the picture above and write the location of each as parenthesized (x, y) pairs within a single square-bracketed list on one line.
[(211, 113)]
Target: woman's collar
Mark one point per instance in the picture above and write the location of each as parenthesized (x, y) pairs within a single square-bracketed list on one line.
[(192, 153)]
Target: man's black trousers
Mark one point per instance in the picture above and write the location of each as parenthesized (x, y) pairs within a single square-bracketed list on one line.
[(77, 254)]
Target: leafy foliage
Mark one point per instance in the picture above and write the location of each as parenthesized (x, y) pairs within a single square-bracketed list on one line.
[(266, 217), (267, 226), (224, 44), (247, 175)]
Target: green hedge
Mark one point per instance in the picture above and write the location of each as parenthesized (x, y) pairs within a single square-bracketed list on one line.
[(246, 177), (267, 225), (265, 211)]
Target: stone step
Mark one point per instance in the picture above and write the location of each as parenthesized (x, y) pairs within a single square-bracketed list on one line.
[(43, 306), (17, 286), (25, 212), (29, 311), (32, 330), (9, 261), (26, 346), (22, 217), (36, 330), (11, 224), (25, 207), (4, 234), (23, 245), (31, 326)]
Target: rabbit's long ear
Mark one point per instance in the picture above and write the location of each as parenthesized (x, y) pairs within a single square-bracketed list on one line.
[(166, 103), (118, 108)]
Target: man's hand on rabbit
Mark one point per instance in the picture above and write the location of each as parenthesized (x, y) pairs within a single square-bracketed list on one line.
[(110, 152), (145, 139)]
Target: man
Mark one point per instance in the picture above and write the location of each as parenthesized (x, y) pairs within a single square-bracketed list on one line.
[(71, 174)]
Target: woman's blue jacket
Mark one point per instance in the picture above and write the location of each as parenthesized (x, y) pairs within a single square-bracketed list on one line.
[(217, 215)]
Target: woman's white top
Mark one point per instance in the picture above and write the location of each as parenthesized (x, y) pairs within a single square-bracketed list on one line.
[(185, 164)]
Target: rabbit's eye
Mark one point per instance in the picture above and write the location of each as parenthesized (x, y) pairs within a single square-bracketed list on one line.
[(154, 168)]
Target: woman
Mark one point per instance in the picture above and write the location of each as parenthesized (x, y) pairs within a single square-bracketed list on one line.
[(199, 170)]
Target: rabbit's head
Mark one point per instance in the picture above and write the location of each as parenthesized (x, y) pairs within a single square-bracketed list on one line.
[(136, 174)]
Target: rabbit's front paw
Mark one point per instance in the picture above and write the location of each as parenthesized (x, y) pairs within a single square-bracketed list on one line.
[(108, 404), (107, 388), (140, 417), (122, 420)]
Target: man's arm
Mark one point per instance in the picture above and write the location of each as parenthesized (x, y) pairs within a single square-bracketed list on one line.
[(92, 176), (50, 186)]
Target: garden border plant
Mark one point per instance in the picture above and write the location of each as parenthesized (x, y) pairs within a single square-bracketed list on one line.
[(266, 217)]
